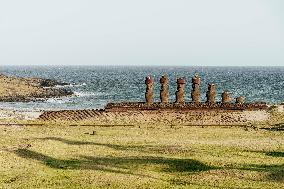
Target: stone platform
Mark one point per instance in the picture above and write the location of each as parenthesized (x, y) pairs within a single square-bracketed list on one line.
[(165, 114), (136, 106)]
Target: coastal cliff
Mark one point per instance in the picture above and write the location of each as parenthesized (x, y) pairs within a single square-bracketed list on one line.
[(17, 89)]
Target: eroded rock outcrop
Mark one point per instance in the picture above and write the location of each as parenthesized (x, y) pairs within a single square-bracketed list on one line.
[(17, 89)]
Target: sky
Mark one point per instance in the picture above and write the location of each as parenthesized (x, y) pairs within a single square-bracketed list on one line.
[(148, 32)]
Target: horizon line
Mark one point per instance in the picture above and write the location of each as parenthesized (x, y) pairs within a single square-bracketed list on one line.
[(88, 65)]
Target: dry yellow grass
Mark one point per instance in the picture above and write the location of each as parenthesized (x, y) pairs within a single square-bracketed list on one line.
[(60, 156), (57, 155)]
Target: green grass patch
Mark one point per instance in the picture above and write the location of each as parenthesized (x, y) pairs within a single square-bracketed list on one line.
[(62, 156)]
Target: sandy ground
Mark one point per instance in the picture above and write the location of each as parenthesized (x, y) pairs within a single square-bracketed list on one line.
[(19, 115), (280, 108)]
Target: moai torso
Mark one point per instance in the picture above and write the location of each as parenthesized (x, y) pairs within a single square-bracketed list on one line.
[(180, 90), (195, 93), (240, 100), (226, 97), (211, 93), (164, 92), (149, 89)]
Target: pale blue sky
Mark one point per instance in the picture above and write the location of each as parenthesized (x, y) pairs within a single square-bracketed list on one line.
[(148, 32)]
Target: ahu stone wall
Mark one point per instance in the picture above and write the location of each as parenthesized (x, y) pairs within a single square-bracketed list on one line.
[(150, 117)]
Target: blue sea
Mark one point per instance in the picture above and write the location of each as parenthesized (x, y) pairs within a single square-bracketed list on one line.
[(95, 86)]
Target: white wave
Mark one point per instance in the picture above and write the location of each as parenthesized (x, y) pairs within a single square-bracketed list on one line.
[(86, 94), (71, 85), (57, 100), (77, 85)]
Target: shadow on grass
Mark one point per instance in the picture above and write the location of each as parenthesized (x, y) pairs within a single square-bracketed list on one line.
[(275, 172), (275, 127), (117, 164), (142, 148), (275, 154), (70, 142), (128, 164)]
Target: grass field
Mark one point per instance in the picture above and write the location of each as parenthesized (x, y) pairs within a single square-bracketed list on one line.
[(61, 156)]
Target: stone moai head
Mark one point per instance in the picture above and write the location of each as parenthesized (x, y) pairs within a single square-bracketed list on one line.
[(211, 87), (164, 80), (226, 97), (196, 80), (149, 81), (180, 90), (164, 92), (181, 81), (240, 100), (211, 93)]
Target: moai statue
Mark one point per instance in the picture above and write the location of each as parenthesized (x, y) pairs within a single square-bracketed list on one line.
[(195, 93), (226, 97), (211, 93), (149, 90), (180, 90), (240, 100), (164, 92)]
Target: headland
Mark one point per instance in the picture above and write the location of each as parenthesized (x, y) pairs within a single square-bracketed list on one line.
[(17, 89)]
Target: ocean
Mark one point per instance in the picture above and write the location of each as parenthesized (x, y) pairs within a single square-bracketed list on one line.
[(95, 86)]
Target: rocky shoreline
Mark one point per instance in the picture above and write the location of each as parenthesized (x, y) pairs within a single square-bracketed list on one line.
[(17, 89)]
